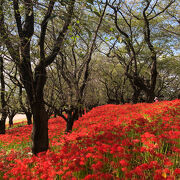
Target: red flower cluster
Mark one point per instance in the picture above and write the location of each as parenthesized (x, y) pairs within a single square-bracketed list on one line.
[(110, 142)]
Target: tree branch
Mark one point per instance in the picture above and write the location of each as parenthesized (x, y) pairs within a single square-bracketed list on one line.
[(44, 28), (18, 17), (86, 74), (13, 52), (58, 43), (28, 28), (171, 2)]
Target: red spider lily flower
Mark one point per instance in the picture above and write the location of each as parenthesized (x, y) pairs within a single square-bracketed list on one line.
[(167, 162), (174, 134), (153, 164), (110, 138), (139, 171), (177, 171), (123, 163), (136, 141), (97, 166)]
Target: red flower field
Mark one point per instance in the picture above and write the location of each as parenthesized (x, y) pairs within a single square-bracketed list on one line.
[(140, 141)]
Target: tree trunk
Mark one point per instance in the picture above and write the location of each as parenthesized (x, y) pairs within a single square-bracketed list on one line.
[(69, 125), (3, 123), (150, 96), (11, 120), (72, 116), (55, 114), (135, 96), (39, 134), (11, 114), (29, 118), (3, 101), (2, 127)]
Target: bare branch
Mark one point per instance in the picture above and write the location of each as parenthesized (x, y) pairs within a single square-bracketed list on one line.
[(171, 2), (86, 74)]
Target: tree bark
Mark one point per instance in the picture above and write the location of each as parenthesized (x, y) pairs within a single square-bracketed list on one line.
[(135, 96), (69, 125), (29, 117), (73, 115), (150, 95), (11, 121), (3, 123), (3, 101), (11, 116), (40, 141)]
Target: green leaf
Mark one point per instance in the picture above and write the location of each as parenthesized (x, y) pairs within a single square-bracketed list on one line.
[(106, 39), (70, 28), (111, 29), (112, 38)]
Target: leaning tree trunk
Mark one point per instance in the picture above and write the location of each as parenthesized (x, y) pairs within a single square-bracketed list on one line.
[(40, 141)]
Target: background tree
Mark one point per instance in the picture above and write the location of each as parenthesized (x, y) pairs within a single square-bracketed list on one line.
[(168, 82), (70, 73), (134, 37)]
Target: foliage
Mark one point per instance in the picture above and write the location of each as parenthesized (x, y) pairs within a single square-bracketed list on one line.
[(109, 142)]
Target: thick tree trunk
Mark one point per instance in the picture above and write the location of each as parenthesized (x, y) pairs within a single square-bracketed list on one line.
[(40, 141), (29, 118), (2, 127)]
